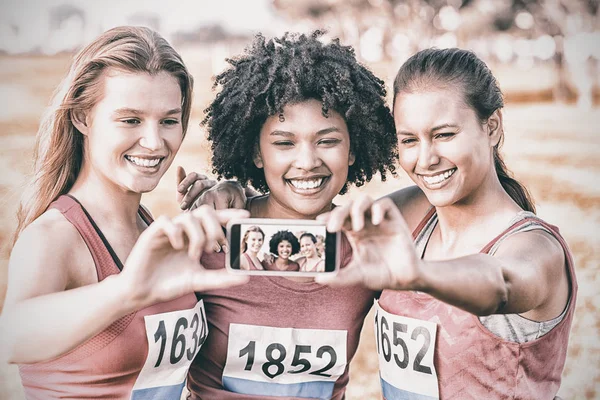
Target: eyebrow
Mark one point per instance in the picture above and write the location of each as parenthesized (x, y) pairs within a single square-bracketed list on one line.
[(435, 128), (290, 134), (126, 110)]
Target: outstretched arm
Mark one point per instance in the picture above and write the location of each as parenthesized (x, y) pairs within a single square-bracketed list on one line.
[(44, 318), (526, 273)]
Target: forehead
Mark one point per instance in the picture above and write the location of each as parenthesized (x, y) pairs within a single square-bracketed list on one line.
[(305, 118), (140, 91), (423, 109), (306, 239)]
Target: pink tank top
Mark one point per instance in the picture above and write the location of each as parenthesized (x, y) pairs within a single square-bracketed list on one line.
[(470, 361), (276, 337), (107, 365)]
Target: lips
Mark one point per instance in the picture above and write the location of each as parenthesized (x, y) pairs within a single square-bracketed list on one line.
[(437, 179), (144, 162), (307, 185)]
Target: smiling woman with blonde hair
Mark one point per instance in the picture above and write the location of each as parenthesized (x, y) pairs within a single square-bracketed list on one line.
[(96, 289)]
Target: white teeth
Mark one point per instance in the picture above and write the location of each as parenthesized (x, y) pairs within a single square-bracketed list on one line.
[(306, 184), (144, 162), (432, 180)]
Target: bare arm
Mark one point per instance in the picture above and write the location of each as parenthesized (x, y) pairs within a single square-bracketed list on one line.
[(43, 318), (37, 298), (527, 274)]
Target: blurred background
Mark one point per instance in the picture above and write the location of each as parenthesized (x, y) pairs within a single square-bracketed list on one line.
[(545, 54)]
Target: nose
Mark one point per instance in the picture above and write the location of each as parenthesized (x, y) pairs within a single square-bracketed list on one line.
[(307, 158), (428, 156), (151, 138)]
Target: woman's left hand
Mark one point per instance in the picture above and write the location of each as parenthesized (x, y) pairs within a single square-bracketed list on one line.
[(384, 256)]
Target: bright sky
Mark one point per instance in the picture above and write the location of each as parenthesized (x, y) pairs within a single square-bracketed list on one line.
[(25, 25)]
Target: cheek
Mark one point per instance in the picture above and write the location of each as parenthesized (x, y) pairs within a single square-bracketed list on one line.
[(408, 157)]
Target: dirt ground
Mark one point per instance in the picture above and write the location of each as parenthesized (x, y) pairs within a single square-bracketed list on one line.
[(554, 149)]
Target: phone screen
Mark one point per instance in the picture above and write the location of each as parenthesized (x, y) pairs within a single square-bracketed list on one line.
[(281, 247)]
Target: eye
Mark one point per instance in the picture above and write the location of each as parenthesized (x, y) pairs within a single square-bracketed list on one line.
[(408, 140), (131, 121), (445, 135), (170, 122), (283, 143), (329, 142)]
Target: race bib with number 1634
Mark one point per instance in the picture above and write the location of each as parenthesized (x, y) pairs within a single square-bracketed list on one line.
[(174, 339)]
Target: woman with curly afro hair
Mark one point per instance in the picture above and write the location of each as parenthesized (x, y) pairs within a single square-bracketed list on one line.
[(299, 119), (285, 245)]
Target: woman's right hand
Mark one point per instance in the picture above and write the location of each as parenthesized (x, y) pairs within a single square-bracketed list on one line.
[(165, 262)]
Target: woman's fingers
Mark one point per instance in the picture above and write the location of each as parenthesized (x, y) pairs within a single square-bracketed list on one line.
[(195, 234), (190, 187), (172, 231), (358, 212)]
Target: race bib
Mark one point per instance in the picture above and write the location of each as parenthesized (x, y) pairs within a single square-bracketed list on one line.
[(267, 361), (405, 347), (174, 339)]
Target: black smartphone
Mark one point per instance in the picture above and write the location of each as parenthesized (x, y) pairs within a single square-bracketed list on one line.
[(283, 247)]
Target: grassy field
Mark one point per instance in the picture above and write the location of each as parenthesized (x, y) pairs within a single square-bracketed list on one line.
[(554, 149)]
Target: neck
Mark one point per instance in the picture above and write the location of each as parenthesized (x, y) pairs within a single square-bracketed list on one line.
[(269, 207), (104, 201), (483, 210)]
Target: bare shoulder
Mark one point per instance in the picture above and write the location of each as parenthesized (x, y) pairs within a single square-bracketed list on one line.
[(412, 203), (536, 247), (536, 254), (43, 258)]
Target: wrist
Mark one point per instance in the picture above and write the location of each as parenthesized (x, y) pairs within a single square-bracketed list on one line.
[(128, 298)]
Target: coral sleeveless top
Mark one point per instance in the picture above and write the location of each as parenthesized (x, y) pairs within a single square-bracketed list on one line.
[(429, 349), (278, 338), (121, 361)]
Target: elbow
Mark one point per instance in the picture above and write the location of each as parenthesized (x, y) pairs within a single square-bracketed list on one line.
[(498, 299), (7, 345)]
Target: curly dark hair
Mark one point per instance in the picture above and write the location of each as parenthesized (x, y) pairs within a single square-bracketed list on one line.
[(273, 73), (279, 237)]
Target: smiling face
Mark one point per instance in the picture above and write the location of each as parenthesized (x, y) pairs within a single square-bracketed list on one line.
[(134, 130), (284, 250), (443, 146), (254, 241), (305, 158), (307, 247)]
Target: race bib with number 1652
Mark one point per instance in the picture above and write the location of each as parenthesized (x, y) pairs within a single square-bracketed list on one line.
[(405, 347)]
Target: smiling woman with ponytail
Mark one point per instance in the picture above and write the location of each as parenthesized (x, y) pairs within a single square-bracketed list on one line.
[(487, 296)]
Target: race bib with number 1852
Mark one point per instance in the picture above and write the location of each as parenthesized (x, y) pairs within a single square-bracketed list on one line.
[(405, 347), (174, 339), (268, 361)]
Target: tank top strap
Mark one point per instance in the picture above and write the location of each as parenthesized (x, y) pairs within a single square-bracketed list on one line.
[(430, 213), (76, 215), (145, 215), (519, 225)]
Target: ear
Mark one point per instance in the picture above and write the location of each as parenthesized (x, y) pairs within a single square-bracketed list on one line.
[(257, 158), (79, 120), (495, 129), (351, 159)]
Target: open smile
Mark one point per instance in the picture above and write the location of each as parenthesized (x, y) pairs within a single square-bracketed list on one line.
[(151, 163), (439, 179), (307, 186)]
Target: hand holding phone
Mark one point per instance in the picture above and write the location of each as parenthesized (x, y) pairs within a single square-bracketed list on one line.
[(282, 247)]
